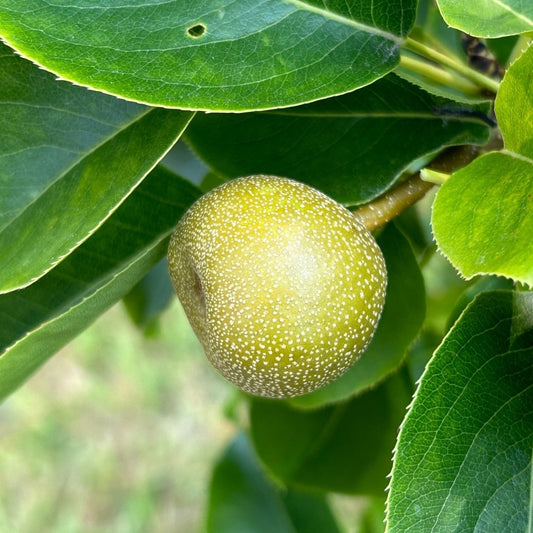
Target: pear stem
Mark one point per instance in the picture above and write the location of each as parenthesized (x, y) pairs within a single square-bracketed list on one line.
[(383, 209)]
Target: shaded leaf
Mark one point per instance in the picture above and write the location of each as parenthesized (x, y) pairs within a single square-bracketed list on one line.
[(43, 317), (479, 285), (503, 48), (463, 458), (431, 29), (47, 127), (352, 147), (488, 18), (70, 157), (400, 323), (149, 298), (342, 448), (215, 56), (243, 500), (183, 161), (309, 511)]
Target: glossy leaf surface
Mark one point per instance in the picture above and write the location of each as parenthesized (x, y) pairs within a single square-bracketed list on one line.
[(352, 147), (69, 158), (463, 458), (40, 319), (219, 55)]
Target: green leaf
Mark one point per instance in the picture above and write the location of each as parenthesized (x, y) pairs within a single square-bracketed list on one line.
[(149, 298), (352, 147), (483, 218), (463, 458), (342, 448), (479, 285), (309, 512), (40, 319), (46, 128), (70, 158), (488, 18), (504, 48), (243, 500), (400, 323), (431, 29), (514, 106), (215, 56)]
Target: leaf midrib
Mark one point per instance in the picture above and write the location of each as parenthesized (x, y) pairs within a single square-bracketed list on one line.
[(517, 14), (343, 20)]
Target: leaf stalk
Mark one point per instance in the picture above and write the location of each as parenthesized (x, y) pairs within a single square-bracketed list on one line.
[(433, 176), (473, 75), (438, 74)]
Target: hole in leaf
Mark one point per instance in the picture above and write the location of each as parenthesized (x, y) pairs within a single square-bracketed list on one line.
[(196, 31)]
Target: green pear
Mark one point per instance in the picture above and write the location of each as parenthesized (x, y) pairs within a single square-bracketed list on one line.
[(282, 285)]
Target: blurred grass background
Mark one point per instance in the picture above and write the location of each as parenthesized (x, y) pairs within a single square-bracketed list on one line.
[(116, 433)]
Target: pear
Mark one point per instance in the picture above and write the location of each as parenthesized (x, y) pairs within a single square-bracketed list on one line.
[(283, 286)]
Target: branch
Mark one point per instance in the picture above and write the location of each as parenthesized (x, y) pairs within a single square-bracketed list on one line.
[(383, 209)]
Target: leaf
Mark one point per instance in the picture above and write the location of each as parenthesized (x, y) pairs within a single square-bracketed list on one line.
[(40, 319), (431, 30), (482, 217), (149, 298), (400, 323), (221, 55), (342, 448), (514, 106), (352, 147), (481, 284), (70, 158), (309, 512), (243, 500), (504, 48), (463, 458), (488, 18)]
